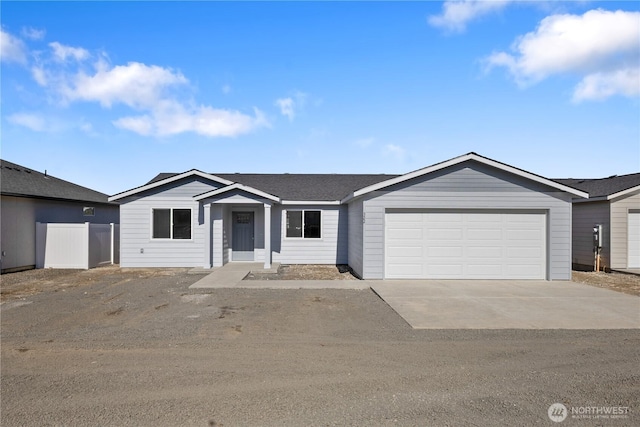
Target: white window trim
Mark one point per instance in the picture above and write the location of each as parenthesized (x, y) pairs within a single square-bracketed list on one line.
[(169, 239), (284, 225)]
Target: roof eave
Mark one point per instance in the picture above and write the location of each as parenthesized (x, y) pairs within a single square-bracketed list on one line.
[(623, 192), (192, 172), (62, 199), (311, 202), (240, 187)]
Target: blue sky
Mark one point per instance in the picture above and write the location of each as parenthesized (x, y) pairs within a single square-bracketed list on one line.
[(107, 95)]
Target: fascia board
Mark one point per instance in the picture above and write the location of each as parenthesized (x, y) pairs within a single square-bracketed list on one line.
[(236, 186), (623, 192), (193, 172), (311, 202)]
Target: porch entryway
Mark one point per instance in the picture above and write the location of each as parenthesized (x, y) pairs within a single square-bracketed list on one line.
[(243, 236)]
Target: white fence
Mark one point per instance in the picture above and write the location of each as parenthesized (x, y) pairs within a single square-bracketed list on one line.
[(77, 245)]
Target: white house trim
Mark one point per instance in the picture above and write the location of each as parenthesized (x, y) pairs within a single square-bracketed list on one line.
[(240, 187), (311, 202), (623, 192), (458, 160), (193, 172)]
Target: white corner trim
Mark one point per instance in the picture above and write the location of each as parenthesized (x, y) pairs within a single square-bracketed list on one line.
[(192, 172), (236, 186), (461, 159)]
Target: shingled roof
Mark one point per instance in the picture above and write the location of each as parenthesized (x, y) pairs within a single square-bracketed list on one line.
[(299, 187), (16, 180), (603, 187)]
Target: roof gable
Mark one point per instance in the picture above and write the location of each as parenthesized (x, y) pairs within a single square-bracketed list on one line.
[(164, 179), (461, 159), (16, 180), (239, 187)]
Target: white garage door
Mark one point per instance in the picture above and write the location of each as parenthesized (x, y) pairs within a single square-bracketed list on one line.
[(465, 245), (634, 240)]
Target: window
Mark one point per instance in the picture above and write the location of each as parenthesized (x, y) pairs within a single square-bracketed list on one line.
[(171, 224), (88, 211), (304, 224)]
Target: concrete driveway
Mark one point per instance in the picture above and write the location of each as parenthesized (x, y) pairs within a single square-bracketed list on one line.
[(480, 304)]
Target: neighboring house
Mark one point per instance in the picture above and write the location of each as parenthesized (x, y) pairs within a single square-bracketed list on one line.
[(28, 197), (614, 203), (468, 217)]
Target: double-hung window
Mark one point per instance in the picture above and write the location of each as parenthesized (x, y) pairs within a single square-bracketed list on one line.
[(304, 224), (171, 224)]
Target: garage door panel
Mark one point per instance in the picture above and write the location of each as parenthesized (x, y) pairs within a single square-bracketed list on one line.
[(484, 252), (444, 251), (533, 253), (444, 233), (405, 218), (443, 271), (405, 251), (484, 234), (407, 234), (483, 245), (484, 270), (524, 271)]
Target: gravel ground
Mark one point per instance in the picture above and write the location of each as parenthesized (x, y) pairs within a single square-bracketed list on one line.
[(626, 283), (120, 349), (306, 272)]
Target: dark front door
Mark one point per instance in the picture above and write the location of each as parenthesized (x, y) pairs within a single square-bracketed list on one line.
[(242, 245)]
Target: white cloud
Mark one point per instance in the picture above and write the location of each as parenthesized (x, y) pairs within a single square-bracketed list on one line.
[(12, 49), (286, 107), (31, 121), (171, 118), (395, 151), (142, 125), (73, 74), (62, 52), (291, 105), (32, 33), (599, 86), (39, 75), (602, 46), (456, 14), (136, 85)]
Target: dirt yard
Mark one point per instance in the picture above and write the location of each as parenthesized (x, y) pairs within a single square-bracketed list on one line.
[(626, 283), (118, 347), (306, 272), (32, 282)]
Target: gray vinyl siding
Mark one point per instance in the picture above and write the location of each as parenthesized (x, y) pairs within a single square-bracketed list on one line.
[(585, 216), (20, 214), (135, 230), (470, 185), (619, 228), (331, 248), (355, 236)]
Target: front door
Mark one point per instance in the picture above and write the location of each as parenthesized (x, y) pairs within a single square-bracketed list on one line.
[(242, 245)]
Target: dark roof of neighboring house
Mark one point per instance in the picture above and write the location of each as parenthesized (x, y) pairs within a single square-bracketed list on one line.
[(301, 187), (603, 187), (16, 180)]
